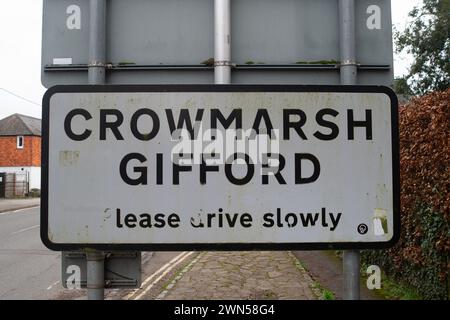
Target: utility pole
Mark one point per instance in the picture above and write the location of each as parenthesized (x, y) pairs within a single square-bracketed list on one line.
[(348, 72), (96, 75)]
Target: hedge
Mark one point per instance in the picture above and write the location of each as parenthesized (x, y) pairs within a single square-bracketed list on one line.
[(421, 257)]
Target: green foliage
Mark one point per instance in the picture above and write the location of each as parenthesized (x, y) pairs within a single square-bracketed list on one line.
[(401, 86), (328, 295), (391, 289), (321, 292), (427, 38), (424, 277)]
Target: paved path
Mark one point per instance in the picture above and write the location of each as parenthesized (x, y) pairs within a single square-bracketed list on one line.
[(241, 275)]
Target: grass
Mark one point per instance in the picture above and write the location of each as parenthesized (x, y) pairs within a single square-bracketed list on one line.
[(392, 289), (328, 295), (172, 278), (325, 293)]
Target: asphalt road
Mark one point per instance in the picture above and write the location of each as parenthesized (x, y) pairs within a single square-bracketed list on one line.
[(28, 270)]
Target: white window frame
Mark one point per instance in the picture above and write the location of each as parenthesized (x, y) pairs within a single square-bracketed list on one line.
[(20, 145)]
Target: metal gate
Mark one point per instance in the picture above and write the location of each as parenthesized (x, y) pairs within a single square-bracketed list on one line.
[(2, 184), (14, 184)]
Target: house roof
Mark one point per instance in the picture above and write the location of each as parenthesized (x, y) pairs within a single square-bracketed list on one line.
[(20, 125)]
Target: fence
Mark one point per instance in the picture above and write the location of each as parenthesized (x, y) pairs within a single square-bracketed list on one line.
[(16, 184)]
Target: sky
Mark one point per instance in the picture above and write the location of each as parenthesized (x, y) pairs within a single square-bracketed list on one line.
[(20, 53)]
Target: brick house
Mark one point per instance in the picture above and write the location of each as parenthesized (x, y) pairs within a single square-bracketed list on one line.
[(20, 150)]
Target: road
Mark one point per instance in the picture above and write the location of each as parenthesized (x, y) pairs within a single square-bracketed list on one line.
[(28, 270)]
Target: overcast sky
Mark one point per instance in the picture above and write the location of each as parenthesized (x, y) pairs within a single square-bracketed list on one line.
[(20, 53)]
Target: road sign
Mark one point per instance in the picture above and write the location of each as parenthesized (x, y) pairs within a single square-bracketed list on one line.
[(159, 41), (220, 167)]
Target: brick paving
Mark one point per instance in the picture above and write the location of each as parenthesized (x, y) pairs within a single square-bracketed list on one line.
[(242, 275)]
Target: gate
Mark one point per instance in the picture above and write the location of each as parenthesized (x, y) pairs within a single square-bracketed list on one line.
[(15, 185), (2, 184)]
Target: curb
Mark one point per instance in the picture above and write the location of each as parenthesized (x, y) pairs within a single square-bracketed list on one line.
[(180, 274), (308, 277)]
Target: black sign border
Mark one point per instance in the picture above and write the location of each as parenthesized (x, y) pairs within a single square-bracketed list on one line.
[(219, 246)]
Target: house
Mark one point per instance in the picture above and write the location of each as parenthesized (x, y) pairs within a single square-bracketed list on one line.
[(20, 155)]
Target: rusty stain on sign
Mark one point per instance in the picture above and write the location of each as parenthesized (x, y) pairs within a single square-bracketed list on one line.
[(68, 158), (380, 227)]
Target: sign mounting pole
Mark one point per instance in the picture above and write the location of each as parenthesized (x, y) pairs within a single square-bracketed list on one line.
[(96, 75), (348, 70), (222, 42)]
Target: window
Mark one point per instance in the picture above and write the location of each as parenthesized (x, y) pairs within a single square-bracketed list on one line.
[(20, 142)]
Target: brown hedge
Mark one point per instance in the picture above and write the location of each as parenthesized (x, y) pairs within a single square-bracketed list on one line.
[(421, 256), (425, 165)]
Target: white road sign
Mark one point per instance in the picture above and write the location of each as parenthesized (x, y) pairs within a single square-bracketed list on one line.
[(220, 167)]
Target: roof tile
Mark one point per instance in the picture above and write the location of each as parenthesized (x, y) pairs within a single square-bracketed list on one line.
[(20, 125)]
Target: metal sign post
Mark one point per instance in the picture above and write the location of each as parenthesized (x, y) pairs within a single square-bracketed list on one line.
[(96, 75), (95, 263), (222, 42), (348, 72)]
